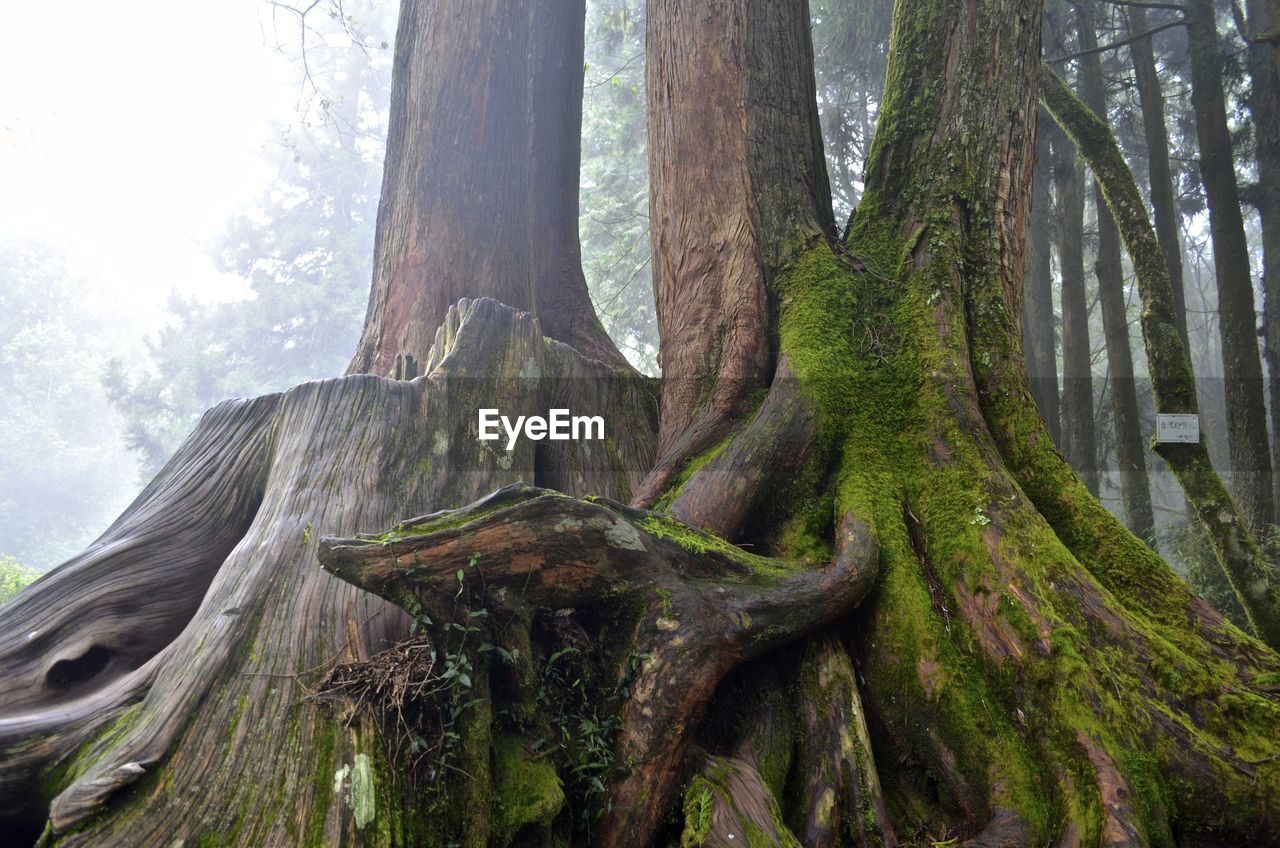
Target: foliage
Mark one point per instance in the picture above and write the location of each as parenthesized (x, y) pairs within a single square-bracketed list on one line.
[(65, 473), (305, 252), (614, 203), (14, 577)]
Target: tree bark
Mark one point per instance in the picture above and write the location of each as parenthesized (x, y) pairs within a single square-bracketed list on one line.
[(195, 695), (1237, 320), (1264, 108), (736, 75), (480, 184), (1039, 329), (1024, 671), (1078, 442), (1164, 207), (1135, 491)]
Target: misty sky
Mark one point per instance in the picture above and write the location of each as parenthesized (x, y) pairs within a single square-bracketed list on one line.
[(130, 132)]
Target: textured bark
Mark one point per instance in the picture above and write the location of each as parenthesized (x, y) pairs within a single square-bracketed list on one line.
[(1039, 329), (173, 710), (480, 184), (1237, 320), (735, 77), (1135, 492), (1172, 377), (1078, 441), (980, 521), (1025, 670), (1264, 108)]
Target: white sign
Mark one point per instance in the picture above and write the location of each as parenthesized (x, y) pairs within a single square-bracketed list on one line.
[(1177, 427)]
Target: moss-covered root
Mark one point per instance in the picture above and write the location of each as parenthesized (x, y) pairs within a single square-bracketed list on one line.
[(722, 492), (729, 805), (1169, 363), (840, 801), (698, 606), (528, 794)]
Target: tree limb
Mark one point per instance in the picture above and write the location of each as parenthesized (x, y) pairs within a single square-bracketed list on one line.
[(704, 606)]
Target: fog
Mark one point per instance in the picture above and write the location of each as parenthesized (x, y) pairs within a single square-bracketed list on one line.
[(132, 138)]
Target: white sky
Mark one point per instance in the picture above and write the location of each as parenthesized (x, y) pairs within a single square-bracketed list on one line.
[(130, 132)]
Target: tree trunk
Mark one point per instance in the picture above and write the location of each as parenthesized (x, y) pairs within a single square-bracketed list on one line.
[(1264, 107), (480, 184), (1237, 320), (1164, 207), (735, 75), (1077, 354), (117, 695), (1039, 330), (1135, 491)]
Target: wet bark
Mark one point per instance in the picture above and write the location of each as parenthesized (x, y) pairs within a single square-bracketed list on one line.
[(1237, 321), (698, 606), (1135, 491), (735, 76), (480, 184)]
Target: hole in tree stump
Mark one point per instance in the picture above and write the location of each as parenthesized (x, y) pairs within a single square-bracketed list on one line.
[(67, 673)]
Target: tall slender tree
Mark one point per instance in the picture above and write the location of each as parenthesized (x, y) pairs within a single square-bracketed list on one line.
[(1135, 491), (1163, 205), (1078, 436), (1039, 330), (1237, 318), (1264, 110)]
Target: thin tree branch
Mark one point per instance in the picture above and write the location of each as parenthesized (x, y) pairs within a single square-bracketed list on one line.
[(1115, 44)]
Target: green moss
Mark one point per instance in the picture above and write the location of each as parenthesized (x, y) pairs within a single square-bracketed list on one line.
[(712, 788), (528, 792), (699, 802), (692, 467), (701, 542)]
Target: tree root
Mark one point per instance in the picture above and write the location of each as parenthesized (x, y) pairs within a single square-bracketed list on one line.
[(775, 444), (699, 606)]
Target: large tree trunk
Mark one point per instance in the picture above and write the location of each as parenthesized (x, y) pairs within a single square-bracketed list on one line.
[(480, 184), (1237, 319), (735, 77), (163, 674), (1135, 491)]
